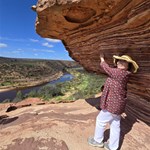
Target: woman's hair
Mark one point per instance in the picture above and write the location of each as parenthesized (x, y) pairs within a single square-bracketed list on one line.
[(102, 88), (130, 67)]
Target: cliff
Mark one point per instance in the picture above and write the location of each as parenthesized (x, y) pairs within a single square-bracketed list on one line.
[(88, 27)]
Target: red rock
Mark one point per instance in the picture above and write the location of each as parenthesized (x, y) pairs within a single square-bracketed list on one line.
[(111, 26), (65, 126)]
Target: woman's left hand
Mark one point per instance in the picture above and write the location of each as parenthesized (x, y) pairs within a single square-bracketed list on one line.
[(101, 57)]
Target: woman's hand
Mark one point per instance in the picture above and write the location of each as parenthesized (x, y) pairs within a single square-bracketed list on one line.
[(101, 57)]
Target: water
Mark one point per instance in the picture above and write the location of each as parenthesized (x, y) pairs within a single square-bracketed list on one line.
[(12, 93)]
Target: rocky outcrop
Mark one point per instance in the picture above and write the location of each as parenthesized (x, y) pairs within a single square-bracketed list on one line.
[(63, 127), (88, 27)]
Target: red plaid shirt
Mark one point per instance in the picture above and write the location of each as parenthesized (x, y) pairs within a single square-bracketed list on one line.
[(113, 98)]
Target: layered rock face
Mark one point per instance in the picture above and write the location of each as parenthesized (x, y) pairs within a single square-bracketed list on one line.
[(88, 27)]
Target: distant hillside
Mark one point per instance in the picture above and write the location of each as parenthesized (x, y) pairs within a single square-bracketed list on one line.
[(17, 72)]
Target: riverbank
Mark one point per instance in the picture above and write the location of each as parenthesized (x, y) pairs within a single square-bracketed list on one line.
[(33, 83), (24, 73)]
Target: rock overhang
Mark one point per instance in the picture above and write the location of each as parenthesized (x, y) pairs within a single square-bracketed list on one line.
[(111, 26)]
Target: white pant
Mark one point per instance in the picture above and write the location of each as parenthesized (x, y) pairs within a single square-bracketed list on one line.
[(102, 119)]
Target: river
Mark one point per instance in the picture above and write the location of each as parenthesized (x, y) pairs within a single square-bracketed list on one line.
[(12, 93)]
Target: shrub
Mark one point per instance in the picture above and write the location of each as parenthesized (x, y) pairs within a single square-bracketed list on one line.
[(18, 97), (32, 93), (49, 91), (84, 85)]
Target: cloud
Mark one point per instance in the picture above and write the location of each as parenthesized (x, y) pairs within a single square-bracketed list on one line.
[(34, 40), (12, 39), (43, 50), (47, 45), (48, 51), (14, 52), (52, 40), (19, 49), (2, 45)]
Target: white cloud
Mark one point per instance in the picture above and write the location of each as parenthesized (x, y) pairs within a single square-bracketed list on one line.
[(34, 40), (14, 52), (52, 40), (35, 54), (20, 50), (49, 51), (12, 39), (2, 45), (43, 50), (47, 45)]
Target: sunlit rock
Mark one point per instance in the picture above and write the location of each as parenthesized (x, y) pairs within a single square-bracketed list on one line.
[(88, 27)]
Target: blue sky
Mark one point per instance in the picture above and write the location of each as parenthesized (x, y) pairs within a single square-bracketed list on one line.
[(18, 38)]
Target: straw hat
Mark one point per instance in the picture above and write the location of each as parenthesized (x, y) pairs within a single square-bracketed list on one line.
[(128, 59)]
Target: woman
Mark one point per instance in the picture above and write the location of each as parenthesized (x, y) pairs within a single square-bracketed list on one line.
[(113, 101)]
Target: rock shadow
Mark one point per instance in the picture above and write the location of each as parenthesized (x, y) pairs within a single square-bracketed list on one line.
[(126, 123), (95, 102), (126, 126), (3, 116), (11, 108), (7, 120)]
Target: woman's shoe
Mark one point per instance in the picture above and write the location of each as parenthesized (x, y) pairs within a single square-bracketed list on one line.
[(106, 146), (92, 142)]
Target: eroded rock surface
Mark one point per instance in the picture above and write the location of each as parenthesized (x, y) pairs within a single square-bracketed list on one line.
[(88, 27), (64, 126)]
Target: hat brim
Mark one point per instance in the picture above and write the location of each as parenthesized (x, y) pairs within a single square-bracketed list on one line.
[(128, 60)]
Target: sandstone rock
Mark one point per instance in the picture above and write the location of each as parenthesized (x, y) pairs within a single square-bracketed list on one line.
[(88, 27), (24, 103), (64, 126)]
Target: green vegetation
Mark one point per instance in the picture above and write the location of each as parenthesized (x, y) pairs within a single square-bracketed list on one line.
[(23, 72), (18, 97), (6, 83), (49, 91), (83, 85)]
